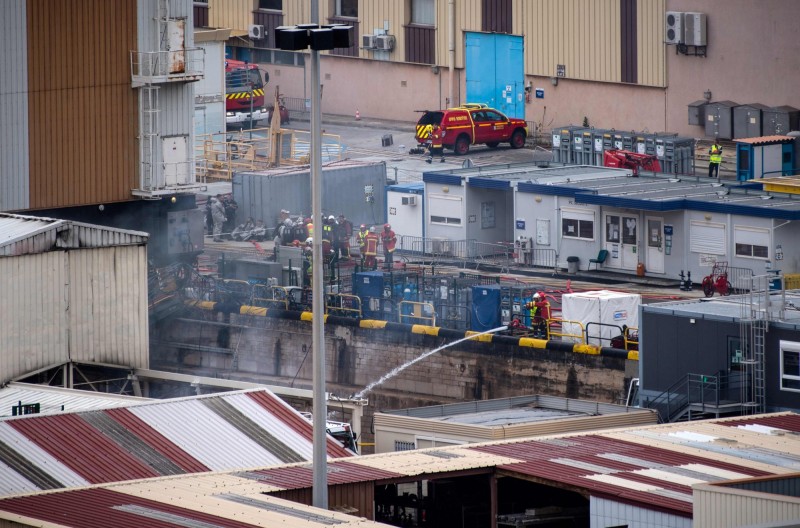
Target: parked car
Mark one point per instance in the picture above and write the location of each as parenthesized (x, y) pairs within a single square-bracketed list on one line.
[(470, 124)]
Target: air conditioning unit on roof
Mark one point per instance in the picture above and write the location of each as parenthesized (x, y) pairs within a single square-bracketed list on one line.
[(368, 41), (256, 32), (385, 42)]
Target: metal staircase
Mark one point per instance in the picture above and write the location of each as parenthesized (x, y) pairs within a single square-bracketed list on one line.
[(760, 307), (152, 69)]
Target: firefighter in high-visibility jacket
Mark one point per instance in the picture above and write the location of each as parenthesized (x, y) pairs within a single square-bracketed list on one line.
[(371, 250), (361, 237), (389, 239)]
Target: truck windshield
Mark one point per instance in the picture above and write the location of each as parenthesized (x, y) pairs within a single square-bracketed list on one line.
[(241, 79)]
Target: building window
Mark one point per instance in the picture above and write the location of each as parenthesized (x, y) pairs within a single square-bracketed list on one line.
[(404, 446), (577, 224), (448, 209), (423, 12), (751, 242), (790, 365), (274, 5), (347, 8), (707, 238)]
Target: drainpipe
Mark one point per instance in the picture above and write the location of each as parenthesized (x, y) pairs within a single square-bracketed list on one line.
[(451, 46)]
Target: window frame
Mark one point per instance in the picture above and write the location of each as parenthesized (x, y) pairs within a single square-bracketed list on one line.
[(430, 10), (702, 246), (791, 347), (579, 217), (280, 2), (443, 218), (738, 234), (337, 9)]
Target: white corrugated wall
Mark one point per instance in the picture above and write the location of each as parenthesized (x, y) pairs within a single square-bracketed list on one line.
[(80, 305), (605, 512), (33, 313), (108, 305), (722, 507), (14, 153)]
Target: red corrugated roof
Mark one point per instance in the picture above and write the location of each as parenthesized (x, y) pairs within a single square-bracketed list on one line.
[(82, 448), (790, 422), (339, 472), (156, 440), (296, 422), (539, 456), (100, 508)]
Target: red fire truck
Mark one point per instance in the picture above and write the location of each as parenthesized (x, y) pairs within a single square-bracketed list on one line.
[(244, 94)]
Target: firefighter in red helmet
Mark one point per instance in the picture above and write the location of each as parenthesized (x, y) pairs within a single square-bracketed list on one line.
[(388, 239)]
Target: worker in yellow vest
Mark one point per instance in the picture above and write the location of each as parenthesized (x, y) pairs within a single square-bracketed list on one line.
[(714, 159)]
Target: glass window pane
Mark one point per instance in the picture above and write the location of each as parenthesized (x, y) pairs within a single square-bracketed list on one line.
[(791, 363), (276, 5), (569, 227), (423, 12), (629, 226), (612, 228), (761, 251), (347, 8), (586, 229)]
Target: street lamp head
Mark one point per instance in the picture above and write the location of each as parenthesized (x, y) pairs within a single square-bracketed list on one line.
[(302, 36)]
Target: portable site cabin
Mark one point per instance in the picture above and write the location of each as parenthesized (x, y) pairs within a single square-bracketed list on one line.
[(765, 156), (479, 203), (405, 209)]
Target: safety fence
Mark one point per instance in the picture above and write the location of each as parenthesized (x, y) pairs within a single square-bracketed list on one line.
[(218, 156)]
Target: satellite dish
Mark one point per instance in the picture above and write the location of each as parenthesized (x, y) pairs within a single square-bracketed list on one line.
[(467, 164)]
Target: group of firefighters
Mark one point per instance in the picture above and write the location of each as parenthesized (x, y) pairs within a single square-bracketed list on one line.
[(336, 237)]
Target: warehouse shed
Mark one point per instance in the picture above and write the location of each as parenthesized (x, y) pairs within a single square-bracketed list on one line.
[(71, 292)]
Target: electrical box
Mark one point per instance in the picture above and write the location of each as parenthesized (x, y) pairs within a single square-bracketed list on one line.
[(385, 42), (674, 27), (697, 113), (368, 41), (694, 29)]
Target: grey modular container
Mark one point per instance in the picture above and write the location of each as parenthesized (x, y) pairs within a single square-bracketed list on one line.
[(697, 113), (562, 143), (747, 120), (582, 147), (675, 154), (780, 120), (719, 119), (350, 187)]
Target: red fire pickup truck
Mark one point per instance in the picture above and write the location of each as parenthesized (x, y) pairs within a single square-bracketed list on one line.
[(470, 124)]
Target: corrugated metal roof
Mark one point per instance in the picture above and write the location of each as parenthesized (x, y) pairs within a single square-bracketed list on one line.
[(112, 507), (220, 432), (54, 400), (650, 467), (765, 140), (22, 235)]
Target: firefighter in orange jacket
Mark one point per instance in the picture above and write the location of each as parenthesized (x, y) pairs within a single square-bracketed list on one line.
[(389, 240), (371, 250)]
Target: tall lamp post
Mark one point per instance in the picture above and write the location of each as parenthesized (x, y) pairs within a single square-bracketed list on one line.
[(316, 37)]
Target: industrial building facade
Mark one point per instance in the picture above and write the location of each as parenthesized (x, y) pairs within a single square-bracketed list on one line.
[(623, 64), (96, 100)]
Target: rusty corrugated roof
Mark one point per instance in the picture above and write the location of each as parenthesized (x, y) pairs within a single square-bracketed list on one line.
[(766, 140), (218, 432)]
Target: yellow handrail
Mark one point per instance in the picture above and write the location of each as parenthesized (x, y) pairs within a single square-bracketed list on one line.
[(418, 311)]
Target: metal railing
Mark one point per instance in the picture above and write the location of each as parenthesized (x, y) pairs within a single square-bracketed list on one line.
[(412, 312), (716, 394), (567, 330), (500, 255), (218, 156), (539, 258), (343, 304), (149, 67)]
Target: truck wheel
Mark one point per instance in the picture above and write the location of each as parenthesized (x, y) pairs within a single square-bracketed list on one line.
[(493, 144), (462, 145), (518, 139)]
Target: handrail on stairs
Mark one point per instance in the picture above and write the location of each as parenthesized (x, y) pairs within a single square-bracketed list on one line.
[(708, 392)]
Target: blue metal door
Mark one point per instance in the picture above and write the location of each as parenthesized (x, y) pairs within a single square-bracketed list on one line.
[(495, 72)]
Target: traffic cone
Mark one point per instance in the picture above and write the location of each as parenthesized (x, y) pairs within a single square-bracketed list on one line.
[(358, 115)]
